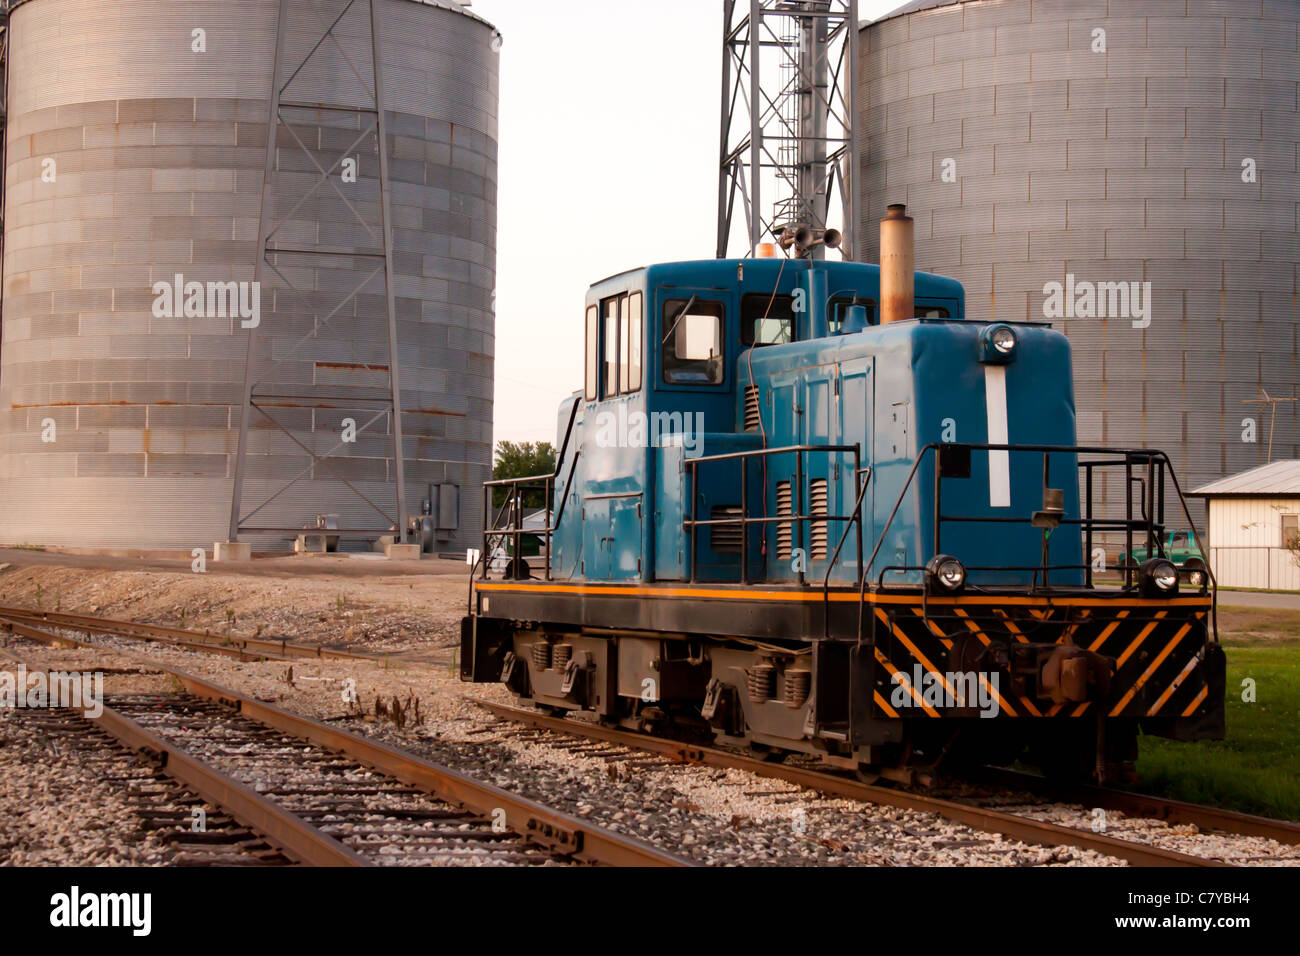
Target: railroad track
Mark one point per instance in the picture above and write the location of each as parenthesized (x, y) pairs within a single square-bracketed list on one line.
[(1009, 824), (324, 796), (196, 832), (28, 624), (243, 648), (1132, 804)]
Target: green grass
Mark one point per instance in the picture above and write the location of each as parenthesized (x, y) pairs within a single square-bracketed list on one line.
[(1256, 769)]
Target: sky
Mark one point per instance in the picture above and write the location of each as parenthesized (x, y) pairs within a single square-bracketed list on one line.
[(609, 125)]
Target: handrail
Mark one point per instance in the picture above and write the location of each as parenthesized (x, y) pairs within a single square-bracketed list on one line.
[(830, 565), (546, 483), (531, 480), (482, 555), (797, 518), (1152, 507)]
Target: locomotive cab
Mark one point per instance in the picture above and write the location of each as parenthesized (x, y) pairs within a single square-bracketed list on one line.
[(673, 352)]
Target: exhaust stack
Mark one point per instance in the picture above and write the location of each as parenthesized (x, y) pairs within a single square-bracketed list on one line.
[(897, 265)]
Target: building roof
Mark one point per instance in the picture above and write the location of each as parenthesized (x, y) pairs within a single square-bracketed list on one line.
[(1278, 480)]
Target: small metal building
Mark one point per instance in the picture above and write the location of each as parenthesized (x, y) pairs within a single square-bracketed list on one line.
[(1253, 516)]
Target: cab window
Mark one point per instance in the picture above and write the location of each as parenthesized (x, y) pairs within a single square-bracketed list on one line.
[(593, 353), (692, 342), (611, 348), (630, 347), (614, 362), (766, 319), (838, 307)]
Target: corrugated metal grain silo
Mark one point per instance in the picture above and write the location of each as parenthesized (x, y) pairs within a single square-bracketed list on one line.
[(158, 155), (1114, 141)]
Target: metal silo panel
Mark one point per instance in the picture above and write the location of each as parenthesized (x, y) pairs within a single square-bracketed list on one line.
[(161, 167), (1134, 163)]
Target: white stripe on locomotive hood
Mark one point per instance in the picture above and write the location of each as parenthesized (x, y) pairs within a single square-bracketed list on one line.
[(995, 400)]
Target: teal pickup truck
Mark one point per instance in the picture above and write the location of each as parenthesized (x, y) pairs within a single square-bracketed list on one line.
[(1178, 547)]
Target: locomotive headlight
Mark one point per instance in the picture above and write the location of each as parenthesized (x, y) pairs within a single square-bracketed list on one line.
[(946, 572), (1196, 574), (998, 344), (1158, 576)]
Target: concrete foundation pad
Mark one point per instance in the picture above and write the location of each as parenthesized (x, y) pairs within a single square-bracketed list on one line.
[(232, 551), (309, 544), (403, 552)]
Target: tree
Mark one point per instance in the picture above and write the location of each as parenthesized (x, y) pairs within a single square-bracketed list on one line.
[(522, 460)]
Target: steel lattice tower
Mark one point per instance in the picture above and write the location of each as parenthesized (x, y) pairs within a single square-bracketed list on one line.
[(790, 153), (293, 95)]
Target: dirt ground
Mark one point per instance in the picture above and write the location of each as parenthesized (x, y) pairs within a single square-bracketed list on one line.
[(409, 609), (1239, 625)]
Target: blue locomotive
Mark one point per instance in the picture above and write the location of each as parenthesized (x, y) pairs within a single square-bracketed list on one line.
[(800, 512)]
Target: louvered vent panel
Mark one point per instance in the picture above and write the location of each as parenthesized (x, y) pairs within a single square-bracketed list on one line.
[(784, 530), (752, 412), (725, 539), (817, 505)]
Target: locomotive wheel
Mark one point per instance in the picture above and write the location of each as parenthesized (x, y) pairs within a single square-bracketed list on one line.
[(1072, 758), (766, 753), (551, 711), (1068, 766), (867, 773)]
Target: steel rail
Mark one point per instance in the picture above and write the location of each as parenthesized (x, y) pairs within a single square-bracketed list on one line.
[(205, 640), (287, 831), (535, 822), (1147, 805), (993, 821), (298, 838), (219, 649)]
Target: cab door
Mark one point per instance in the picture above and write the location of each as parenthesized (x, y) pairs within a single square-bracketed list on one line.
[(597, 539), (625, 528), (614, 442), (612, 529)]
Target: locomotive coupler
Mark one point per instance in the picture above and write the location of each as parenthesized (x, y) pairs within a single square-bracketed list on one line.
[(1061, 673)]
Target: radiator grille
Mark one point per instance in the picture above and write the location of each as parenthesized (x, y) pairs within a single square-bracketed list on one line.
[(752, 412), (817, 505), (784, 530), (725, 539)]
